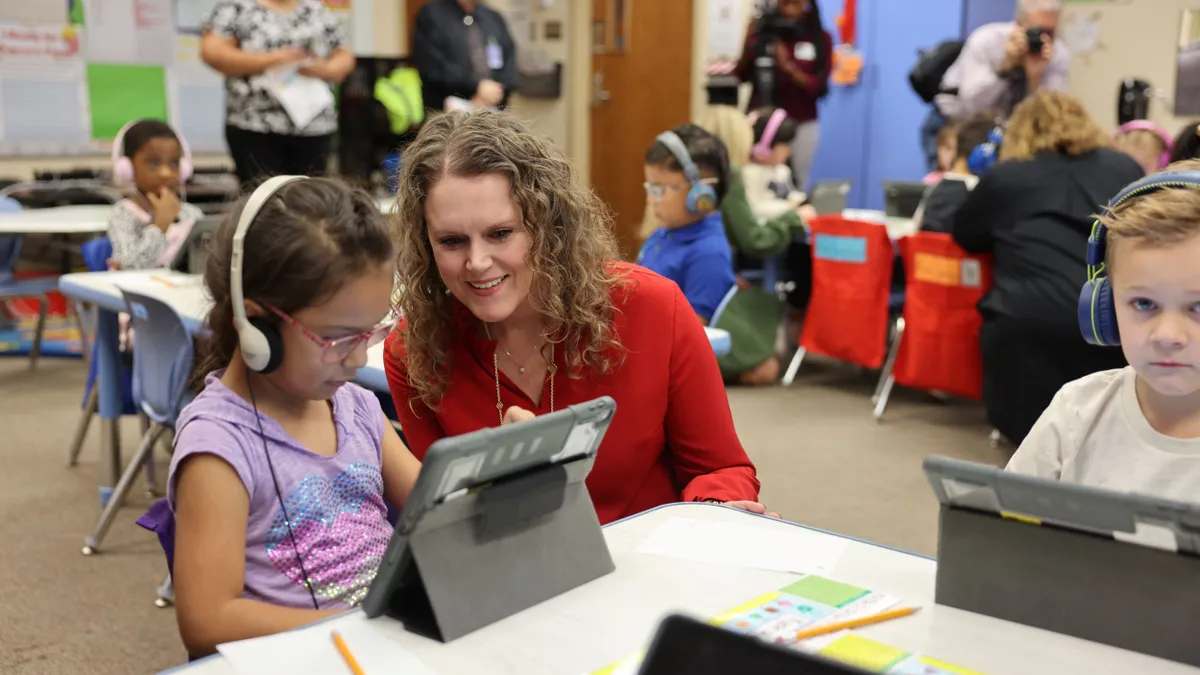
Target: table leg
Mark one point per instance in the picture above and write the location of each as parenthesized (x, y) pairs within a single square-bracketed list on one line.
[(108, 382)]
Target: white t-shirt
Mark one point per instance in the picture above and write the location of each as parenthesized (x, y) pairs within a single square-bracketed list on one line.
[(1094, 433)]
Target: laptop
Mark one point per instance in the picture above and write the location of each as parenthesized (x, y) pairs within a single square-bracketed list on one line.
[(901, 198), (685, 646), (193, 255), (828, 197)]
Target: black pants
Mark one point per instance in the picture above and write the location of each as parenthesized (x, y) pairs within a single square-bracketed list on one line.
[(258, 156), (1022, 371)]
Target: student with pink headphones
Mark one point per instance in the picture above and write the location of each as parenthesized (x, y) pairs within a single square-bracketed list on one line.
[(1146, 142), (147, 228), (769, 186)]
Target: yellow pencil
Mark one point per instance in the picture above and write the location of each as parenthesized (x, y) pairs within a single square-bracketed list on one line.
[(351, 662), (855, 623)]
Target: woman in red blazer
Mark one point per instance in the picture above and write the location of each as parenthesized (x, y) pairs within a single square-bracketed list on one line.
[(514, 306)]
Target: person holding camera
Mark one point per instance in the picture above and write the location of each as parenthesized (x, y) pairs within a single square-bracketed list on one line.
[(1002, 63), (787, 57)]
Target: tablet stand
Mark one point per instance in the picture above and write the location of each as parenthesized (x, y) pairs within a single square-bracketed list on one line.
[(523, 541), (1089, 586)]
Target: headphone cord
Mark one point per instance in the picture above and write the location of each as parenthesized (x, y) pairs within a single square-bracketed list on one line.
[(279, 495)]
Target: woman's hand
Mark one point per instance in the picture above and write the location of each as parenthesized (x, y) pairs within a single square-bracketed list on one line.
[(752, 507), (287, 56), (515, 414)]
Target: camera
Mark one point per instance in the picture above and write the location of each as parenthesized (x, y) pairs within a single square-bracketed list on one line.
[(1037, 39), (772, 28)]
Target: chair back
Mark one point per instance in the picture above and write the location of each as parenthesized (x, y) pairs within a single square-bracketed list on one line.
[(847, 315), (939, 350), (96, 253), (163, 355)]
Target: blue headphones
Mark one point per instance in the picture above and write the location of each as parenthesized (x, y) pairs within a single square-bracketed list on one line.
[(984, 155), (701, 198), (1097, 311)]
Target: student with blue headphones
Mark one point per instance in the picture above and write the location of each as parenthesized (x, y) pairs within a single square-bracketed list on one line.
[(687, 173), (1135, 428)]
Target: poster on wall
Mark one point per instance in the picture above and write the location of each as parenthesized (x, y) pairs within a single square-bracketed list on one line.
[(1187, 65)]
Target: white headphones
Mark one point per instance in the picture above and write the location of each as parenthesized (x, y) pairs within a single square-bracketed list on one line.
[(260, 341)]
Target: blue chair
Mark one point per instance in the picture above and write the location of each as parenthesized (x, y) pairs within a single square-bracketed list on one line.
[(96, 253), (163, 356), (12, 287)]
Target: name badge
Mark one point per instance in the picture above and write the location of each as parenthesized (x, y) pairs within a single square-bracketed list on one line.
[(495, 55), (806, 51)]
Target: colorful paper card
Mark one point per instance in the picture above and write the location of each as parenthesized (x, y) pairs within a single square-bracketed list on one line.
[(118, 94)]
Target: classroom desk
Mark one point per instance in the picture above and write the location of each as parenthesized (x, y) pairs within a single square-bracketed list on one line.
[(616, 615), (81, 219), (186, 294)]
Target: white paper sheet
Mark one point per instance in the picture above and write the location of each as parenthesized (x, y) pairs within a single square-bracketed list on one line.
[(745, 545), (311, 651), (302, 98), (130, 31)]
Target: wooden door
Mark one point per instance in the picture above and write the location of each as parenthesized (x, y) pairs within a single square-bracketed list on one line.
[(641, 86)]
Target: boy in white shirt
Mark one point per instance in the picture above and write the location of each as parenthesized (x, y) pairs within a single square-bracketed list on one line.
[(1136, 429)]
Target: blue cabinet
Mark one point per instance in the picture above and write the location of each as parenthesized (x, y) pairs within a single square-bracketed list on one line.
[(870, 132)]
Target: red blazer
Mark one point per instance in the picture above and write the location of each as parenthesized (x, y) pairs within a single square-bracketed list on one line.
[(672, 438)]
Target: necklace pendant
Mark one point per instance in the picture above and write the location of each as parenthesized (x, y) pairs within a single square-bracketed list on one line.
[(521, 369)]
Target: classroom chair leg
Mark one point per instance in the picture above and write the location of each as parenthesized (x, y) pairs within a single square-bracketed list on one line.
[(145, 449), (90, 408), (165, 593), (994, 438), (794, 366), (883, 390), (36, 351)]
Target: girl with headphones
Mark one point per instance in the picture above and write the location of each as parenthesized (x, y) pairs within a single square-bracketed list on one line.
[(148, 228), (769, 186), (283, 470), (1147, 143)]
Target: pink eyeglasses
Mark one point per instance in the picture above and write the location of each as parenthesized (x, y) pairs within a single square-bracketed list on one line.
[(333, 351)]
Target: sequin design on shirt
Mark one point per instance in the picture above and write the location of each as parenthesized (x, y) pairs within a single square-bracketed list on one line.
[(341, 530)]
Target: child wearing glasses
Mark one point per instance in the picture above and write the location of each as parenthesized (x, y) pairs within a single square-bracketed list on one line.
[(281, 476)]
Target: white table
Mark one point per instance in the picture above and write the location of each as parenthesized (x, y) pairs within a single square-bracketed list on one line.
[(614, 616), (80, 219)]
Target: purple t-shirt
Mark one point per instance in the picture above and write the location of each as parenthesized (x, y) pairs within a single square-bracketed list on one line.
[(335, 503)]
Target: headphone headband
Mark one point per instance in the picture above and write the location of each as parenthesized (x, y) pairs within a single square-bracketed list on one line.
[(776, 120), (1147, 125), (679, 149), (254, 204), (1097, 241)]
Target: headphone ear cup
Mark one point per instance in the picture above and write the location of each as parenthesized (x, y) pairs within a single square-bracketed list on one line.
[(123, 170), (701, 199), (261, 345), (186, 170), (1098, 314)]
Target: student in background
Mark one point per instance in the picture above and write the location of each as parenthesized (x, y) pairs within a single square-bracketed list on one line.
[(947, 150), (769, 186), (148, 228), (1033, 212), (1186, 144), (283, 470), (1137, 428), (691, 249), (942, 201), (1147, 143)]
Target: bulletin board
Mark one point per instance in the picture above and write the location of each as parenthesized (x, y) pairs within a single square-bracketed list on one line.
[(72, 72)]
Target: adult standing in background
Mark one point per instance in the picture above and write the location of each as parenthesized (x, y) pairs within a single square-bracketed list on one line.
[(802, 51), (462, 48), (245, 40), (1001, 64)]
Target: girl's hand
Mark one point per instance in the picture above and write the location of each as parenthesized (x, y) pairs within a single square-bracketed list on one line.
[(166, 206), (752, 507)]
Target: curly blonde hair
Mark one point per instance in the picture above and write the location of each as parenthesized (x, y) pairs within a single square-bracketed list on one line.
[(571, 251), (732, 128), (1050, 121)]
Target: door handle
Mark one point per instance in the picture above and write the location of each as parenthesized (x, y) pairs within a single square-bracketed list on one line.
[(599, 93)]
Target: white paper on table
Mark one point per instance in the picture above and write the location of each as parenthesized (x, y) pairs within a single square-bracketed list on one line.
[(746, 545), (311, 650), (302, 98)]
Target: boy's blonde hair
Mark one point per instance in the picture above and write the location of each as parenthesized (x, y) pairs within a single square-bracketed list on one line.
[(1161, 218), (730, 127), (1050, 121)]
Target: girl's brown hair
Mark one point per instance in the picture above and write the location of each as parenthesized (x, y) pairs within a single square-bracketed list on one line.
[(308, 240), (1051, 121), (571, 232)]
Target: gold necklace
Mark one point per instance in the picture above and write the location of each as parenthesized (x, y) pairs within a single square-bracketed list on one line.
[(520, 366), (551, 368)]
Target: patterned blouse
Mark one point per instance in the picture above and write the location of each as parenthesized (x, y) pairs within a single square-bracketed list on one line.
[(249, 103)]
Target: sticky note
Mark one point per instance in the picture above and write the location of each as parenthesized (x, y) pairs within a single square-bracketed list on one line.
[(119, 93), (840, 248), (936, 269), (864, 653), (826, 591)]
